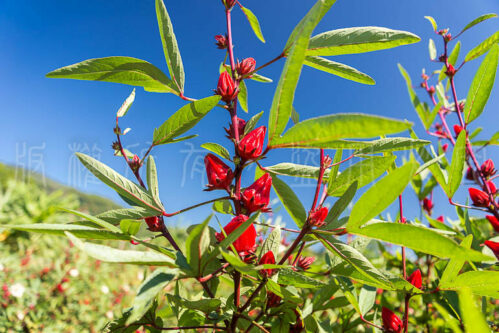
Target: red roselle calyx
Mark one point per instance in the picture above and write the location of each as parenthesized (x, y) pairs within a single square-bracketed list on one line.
[(428, 205), (241, 124), (251, 146), (305, 262), (391, 322), (445, 147), (470, 174), (457, 129), (273, 300), (431, 90), (246, 66), (415, 279), (488, 169), (494, 246), (267, 258), (219, 174), (441, 219), (492, 187), (153, 223), (226, 87), (493, 221), (479, 198), (247, 240), (229, 3), (317, 216), (257, 196), (222, 41), (451, 71)]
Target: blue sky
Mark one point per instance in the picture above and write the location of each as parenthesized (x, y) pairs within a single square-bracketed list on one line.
[(62, 116)]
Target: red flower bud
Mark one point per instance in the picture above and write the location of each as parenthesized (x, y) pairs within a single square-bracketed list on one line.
[(134, 242), (493, 221), (257, 196), (60, 288), (241, 124), (479, 198), (415, 279), (451, 71), (305, 262), (457, 130), (391, 322), (273, 300), (428, 205), (448, 37), (246, 66), (445, 147), (153, 223), (226, 87), (441, 219), (488, 168), (229, 3), (470, 174), (441, 58), (317, 216), (494, 246), (246, 241), (222, 41), (251, 146), (219, 174), (267, 258), (431, 90), (492, 187)]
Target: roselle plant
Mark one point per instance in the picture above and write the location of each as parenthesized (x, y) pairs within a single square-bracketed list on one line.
[(250, 286)]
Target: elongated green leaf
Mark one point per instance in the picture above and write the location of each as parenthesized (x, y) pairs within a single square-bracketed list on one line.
[(242, 96), (358, 40), (392, 144), (126, 70), (482, 48), (457, 164), (452, 60), (152, 179), (130, 227), (93, 219), (260, 78), (377, 198), (367, 296), (80, 231), (338, 69), (116, 215), (282, 104), (272, 242), (483, 283), (148, 291), (363, 172), (418, 106), (455, 264), (217, 149), (317, 132), (335, 167), (237, 263), (205, 305), (294, 170), (109, 254), (420, 239), (184, 119), (342, 203), (126, 105), (482, 84), (223, 206), (196, 244), (472, 316), (288, 276), (120, 184), (477, 20), (170, 46), (250, 125), (255, 25), (432, 49), (432, 22), (295, 117), (290, 201)]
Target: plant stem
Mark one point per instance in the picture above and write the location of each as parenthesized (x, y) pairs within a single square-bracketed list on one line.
[(319, 180), (195, 206)]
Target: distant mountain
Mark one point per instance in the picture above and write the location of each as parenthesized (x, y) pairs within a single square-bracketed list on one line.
[(94, 204)]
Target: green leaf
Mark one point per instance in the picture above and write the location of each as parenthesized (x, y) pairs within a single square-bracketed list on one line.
[(272, 242), (483, 283), (260, 78), (477, 20), (418, 106), (109, 254), (253, 21), (184, 119), (250, 125), (205, 305), (482, 84), (392, 144), (196, 245), (435, 169), (148, 291), (80, 231), (170, 46), (282, 104), (367, 296), (335, 167), (457, 164), (342, 203), (120, 184), (381, 195), (130, 227), (452, 60), (125, 70), (320, 131), (288, 276), (455, 265), (290, 201), (242, 96), (363, 172), (217, 149), (418, 238), (93, 219), (237, 263), (294, 170), (432, 49), (471, 314), (126, 105), (152, 179), (338, 69), (432, 21), (223, 206), (482, 48), (295, 117), (358, 40), (116, 215)]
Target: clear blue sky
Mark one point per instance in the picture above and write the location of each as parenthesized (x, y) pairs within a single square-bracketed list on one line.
[(65, 115)]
